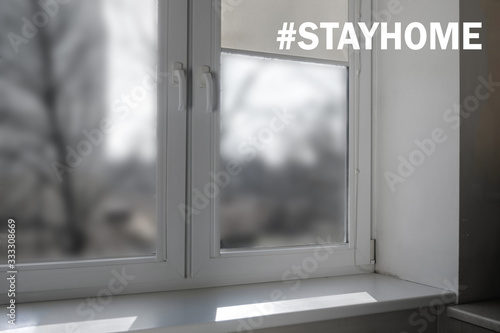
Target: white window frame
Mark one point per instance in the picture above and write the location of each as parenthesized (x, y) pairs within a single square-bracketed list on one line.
[(206, 262), (70, 279), (188, 254)]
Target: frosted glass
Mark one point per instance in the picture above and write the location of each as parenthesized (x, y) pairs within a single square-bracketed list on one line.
[(284, 123), (253, 25), (77, 129)]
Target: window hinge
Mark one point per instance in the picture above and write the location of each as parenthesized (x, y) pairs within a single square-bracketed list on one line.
[(372, 251)]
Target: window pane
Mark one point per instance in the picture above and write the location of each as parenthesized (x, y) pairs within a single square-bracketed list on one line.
[(253, 25), (77, 128), (284, 138)]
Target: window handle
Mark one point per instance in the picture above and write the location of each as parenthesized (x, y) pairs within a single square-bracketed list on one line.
[(179, 79), (207, 82)]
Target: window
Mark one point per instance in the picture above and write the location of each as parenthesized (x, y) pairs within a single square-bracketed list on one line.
[(82, 180), (284, 128), (174, 140), (90, 136)]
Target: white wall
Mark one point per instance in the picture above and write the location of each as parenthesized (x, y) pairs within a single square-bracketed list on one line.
[(416, 226)]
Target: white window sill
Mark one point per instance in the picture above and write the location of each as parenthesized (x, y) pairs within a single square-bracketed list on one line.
[(227, 309)]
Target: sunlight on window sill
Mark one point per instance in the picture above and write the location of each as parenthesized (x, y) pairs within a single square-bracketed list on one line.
[(122, 324), (289, 306)]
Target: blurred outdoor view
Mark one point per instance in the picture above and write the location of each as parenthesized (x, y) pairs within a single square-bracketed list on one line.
[(285, 123), (78, 128), (284, 120)]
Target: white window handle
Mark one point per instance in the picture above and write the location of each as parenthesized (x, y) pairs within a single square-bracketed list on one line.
[(207, 82), (179, 78)]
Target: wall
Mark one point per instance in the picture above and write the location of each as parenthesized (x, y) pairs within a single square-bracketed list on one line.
[(480, 158), (416, 225)]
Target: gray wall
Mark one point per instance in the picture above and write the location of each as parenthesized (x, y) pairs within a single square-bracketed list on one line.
[(480, 160)]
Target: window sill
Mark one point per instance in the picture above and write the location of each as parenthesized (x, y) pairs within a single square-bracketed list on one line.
[(227, 309), (482, 314)]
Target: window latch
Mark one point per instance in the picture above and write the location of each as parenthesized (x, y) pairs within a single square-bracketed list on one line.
[(207, 82), (179, 79)]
